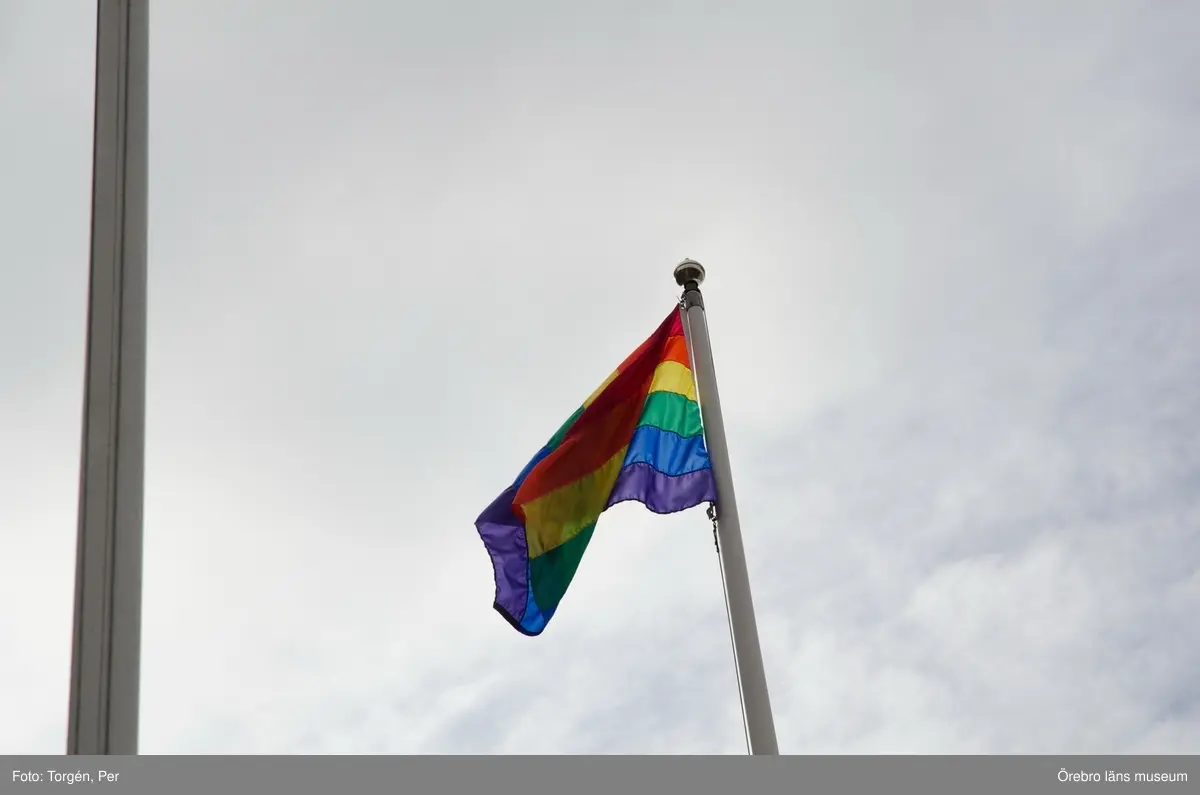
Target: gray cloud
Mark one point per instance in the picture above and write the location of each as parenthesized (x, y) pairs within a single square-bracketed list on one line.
[(392, 248)]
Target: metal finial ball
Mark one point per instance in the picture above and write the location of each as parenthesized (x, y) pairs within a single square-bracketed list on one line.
[(689, 271)]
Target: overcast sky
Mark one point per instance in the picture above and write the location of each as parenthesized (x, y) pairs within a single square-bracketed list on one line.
[(953, 274)]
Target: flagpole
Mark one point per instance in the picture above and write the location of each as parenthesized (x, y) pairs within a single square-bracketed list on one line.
[(105, 654), (752, 678)]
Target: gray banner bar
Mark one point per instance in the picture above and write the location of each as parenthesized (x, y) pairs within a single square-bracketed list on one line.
[(828, 775)]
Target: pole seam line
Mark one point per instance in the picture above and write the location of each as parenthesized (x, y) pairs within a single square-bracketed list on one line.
[(118, 294)]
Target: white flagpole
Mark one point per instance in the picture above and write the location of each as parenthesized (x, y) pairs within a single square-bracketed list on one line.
[(752, 678), (105, 665)]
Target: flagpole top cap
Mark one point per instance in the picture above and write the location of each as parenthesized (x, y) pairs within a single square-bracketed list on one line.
[(689, 271)]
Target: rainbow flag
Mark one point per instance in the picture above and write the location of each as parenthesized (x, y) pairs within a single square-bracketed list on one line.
[(638, 437)]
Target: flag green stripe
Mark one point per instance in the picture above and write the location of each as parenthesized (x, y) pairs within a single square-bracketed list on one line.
[(671, 411), (558, 436), (551, 572)]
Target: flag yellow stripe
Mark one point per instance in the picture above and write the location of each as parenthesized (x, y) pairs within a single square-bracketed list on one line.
[(555, 518), (674, 377)]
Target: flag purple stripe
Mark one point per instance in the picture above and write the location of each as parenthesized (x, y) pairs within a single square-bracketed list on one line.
[(663, 493), (504, 536)]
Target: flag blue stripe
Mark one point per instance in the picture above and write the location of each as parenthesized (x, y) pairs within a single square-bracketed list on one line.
[(667, 452)]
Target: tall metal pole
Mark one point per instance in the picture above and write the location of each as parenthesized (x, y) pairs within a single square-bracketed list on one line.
[(108, 570), (752, 677)]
